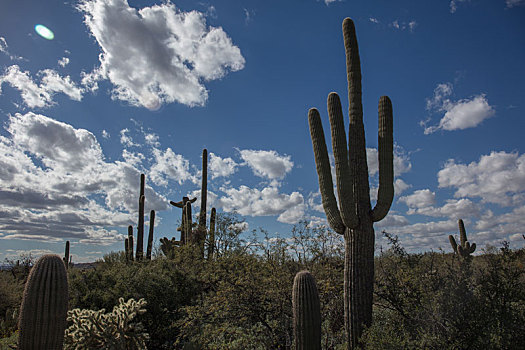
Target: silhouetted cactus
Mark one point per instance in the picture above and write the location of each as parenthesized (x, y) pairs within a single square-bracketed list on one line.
[(130, 243), (150, 236), (355, 217), (182, 205), (465, 248), (44, 306), (211, 234), (66, 255), (306, 312), (201, 229), (167, 246), (126, 248)]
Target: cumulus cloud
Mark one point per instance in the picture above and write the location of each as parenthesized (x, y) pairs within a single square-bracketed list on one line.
[(221, 166), (512, 3), (157, 54), (268, 164), (170, 166), (40, 95), (496, 178), (459, 115), (55, 184), (266, 202), (419, 199), (373, 20), (454, 5), (4, 49), (64, 61), (411, 25)]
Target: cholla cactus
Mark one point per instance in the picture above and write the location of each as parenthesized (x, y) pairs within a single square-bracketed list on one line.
[(465, 248), (306, 312), (114, 330), (44, 306)]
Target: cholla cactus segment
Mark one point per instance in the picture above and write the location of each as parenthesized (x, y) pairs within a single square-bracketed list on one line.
[(306, 312), (115, 330), (44, 306), (464, 249)]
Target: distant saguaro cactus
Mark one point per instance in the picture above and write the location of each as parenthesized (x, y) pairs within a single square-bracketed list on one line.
[(140, 227), (465, 248), (201, 228), (354, 218), (66, 255), (306, 312), (130, 243), (150, 235), (44, 306), (182, 205), (211, 234)]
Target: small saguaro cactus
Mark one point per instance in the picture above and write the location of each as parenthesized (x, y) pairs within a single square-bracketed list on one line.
[(66, 255), (150, 235), (306, 312), (354, 217), (44, 306), (211, 234), (130, 243), (464, 249), (168, 246)]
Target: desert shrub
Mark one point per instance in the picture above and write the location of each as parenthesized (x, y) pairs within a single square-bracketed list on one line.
[(116, 330)]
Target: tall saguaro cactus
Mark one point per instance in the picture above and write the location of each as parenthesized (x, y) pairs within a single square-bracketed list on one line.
[(140, 227), (130, 243), (201, 229), (66, 255), (354, 217), (211, 234), (464, 249), (44, 307), (306, 312)]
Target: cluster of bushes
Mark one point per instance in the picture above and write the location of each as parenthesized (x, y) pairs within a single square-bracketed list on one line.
[(242, 299)]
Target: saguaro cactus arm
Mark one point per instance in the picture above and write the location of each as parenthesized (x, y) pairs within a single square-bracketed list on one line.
[(385, 195), (326, 185)]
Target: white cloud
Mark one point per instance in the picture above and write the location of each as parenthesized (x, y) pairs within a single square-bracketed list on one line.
[(221, 166), (56, 184), (105, 134), (169, 165), (267, 164), (158, 54), (512, 3), (419, 199), (40, 95), (454, 5), (401, 161), (459, 115), (400, 186), (497, 178), (64, 61), (374, 20), (4, 49), (403, 25), (266, 202), (454, 209), (328, 2), (152, 139), (125, 139)]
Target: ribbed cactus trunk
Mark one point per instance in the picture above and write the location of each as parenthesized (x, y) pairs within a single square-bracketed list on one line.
[(211, 234), (354, 216), (140, 226), (126, 248), (306, 312), (188, 223), (150, 236), (130, 242), (201, 230), (66, 255), (44, 306), (464, 249)]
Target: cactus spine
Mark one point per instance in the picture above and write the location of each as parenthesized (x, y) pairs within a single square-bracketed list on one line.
[(150, 236), (140, 227), (306, 312), (66, 255), (44, 307), (354, 217), (130, 243), (464, 249), (211, 234)]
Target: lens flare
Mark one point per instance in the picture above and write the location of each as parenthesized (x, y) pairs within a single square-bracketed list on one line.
[(44, 32)]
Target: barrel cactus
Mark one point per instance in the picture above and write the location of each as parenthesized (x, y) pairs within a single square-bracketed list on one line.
[(354, 217)]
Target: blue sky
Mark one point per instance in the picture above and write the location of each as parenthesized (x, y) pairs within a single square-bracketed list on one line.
[(143, 86)]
